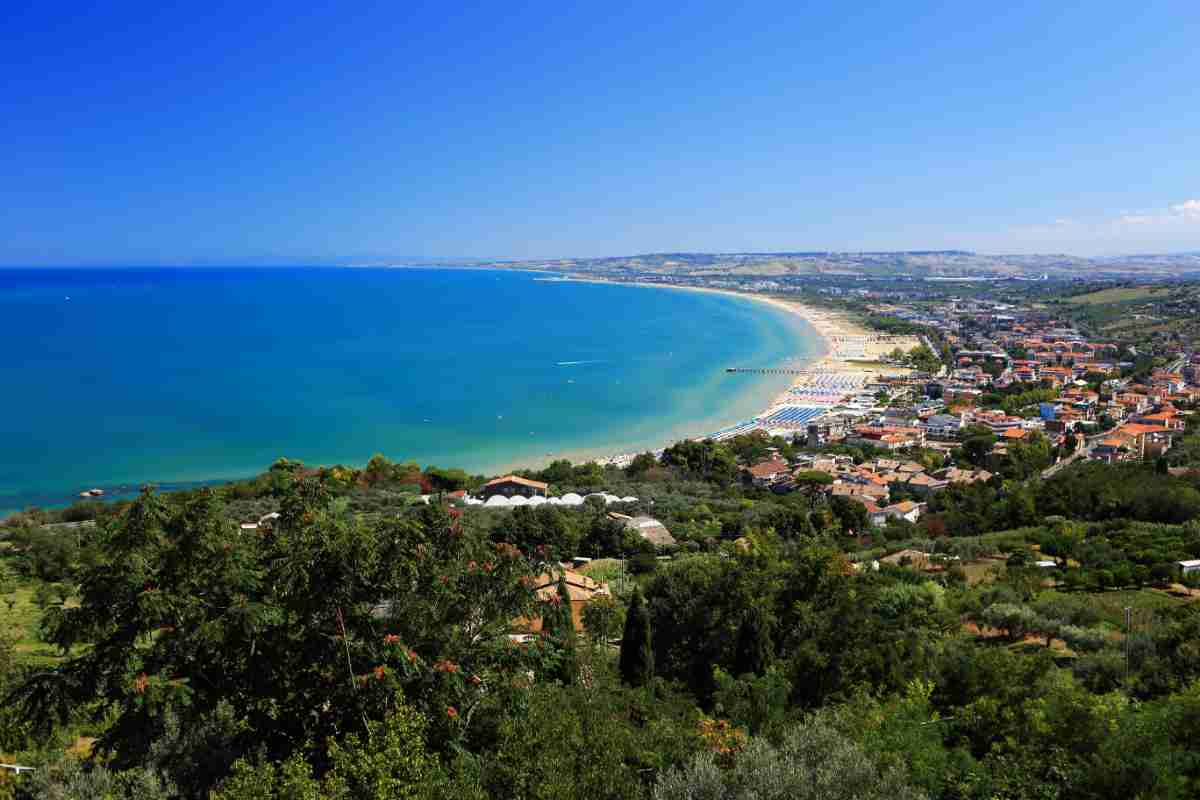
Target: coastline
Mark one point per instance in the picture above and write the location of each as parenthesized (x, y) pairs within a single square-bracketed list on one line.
[(832, 330), (814, 344)]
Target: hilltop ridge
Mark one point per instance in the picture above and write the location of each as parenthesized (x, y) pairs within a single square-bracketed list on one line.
[(899, 264)]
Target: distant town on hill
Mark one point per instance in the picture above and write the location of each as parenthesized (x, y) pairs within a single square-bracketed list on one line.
[(908, 264)]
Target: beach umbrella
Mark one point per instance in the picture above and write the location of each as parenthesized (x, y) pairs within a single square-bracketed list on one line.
[(536, 500), (497, 501), (572, 499), (518, 500)]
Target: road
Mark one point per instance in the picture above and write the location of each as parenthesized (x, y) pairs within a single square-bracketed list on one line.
[(1089, 444)]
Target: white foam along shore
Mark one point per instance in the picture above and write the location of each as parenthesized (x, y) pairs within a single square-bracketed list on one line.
[(849, 351)]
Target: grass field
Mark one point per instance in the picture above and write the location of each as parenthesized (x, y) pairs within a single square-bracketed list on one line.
[(22, 623), (1111, 605), (1119, 295), (981, 570)]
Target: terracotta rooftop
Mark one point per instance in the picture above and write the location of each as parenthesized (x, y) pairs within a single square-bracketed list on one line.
[(517, 479)]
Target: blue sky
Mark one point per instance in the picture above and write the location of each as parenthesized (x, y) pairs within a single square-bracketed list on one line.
[(359, 132)]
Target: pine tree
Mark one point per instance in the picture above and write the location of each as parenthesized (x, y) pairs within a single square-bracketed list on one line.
[(753, 645), (637, 657)]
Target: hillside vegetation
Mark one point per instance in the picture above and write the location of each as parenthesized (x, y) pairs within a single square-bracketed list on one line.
[(362, 645)]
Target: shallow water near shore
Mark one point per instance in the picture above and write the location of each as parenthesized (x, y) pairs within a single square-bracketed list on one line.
[(122, 376)]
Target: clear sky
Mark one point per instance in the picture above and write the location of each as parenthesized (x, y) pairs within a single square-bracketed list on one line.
[(318, 132)]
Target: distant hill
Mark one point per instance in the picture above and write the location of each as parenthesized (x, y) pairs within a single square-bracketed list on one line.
[(907, 263)]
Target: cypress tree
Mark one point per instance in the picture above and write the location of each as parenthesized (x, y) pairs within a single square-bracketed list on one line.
[(564, 631), (637, 657), (753, 645)]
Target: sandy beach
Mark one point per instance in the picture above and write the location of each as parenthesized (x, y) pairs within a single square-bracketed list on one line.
[(852, 357)]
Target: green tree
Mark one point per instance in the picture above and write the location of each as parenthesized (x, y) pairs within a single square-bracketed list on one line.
[(753, 650), (812, 484), (388, 762), (446, 480), (977, 445), (325, 612), (603, 619), (641, 464), (637, 657), (813, 760)]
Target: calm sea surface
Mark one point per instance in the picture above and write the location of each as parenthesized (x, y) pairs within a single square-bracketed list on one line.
[(121, 376)]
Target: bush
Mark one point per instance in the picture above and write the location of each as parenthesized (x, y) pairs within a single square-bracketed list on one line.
[(643, 563), (814, 761)]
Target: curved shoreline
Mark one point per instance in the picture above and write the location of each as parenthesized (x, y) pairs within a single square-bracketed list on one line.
[(735, 404), (825, 325)]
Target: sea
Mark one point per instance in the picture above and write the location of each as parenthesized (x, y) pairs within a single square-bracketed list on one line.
[(117, 377)]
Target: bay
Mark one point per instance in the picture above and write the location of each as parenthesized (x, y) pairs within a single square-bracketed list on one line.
[(115, 377)]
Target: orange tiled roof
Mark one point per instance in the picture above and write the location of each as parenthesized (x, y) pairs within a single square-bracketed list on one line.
[(517, 479)]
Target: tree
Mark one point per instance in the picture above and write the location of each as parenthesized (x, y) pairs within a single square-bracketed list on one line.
[(812, 484), (977, 446), (637, 657), (641, 464), (556, 611), (851, 514), (603, 619), (307, 629), (993, 368), (446, 480), (1014, 620), (813, 762), (925, 360), (390, 763), (379, 469), (753, 651), (704, 460)]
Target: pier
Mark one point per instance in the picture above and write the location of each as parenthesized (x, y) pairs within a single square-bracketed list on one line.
[(770, 370)]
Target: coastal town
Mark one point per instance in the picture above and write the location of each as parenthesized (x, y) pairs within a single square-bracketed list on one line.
[(1006, 376)]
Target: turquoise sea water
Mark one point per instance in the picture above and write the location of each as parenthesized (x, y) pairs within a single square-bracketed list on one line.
[(122, 376)]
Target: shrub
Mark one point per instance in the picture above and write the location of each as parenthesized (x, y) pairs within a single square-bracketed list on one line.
[(814, 761)]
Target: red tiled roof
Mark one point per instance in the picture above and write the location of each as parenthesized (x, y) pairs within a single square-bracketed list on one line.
[(517, 479)]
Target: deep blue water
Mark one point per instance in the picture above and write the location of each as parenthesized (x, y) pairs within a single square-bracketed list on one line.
[(177, 375)]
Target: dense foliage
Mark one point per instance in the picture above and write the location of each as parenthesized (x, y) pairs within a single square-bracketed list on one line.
[(365, 644)]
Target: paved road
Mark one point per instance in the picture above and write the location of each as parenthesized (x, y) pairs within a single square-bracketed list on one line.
[(1089, 444)]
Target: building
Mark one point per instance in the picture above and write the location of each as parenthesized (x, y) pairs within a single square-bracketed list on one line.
[(943, 426), (511, 485), (906, 510), (886, 437), (1190, 567), (651, 530), (925, 485), (767, 472), (580, 587)]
